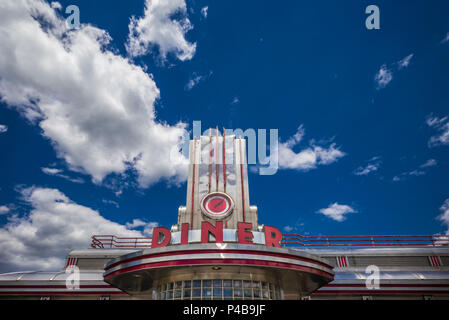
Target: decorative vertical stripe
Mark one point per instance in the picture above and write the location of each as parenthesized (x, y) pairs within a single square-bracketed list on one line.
[(210, 157), (241, 176), (71, 262), (216, 156), (224, 159), (193, 183), (435, 261), (342, 262), (224, 167)]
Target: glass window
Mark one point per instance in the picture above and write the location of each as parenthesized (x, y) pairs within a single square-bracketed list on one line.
[(237, 292), (217, 292), (217, 289), (196, 293), (227, 292), (207, 283), (207, 292)]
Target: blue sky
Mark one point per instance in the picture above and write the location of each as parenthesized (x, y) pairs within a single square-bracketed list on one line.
[(263, 65)]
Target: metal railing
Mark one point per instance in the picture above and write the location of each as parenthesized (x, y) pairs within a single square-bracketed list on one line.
[(111, 241), (297, 240)]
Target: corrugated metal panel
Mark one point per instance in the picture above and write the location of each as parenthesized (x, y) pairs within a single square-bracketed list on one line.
[(86, 264), (391, 261)]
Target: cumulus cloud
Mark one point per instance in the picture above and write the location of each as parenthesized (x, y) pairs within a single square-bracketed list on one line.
[(159, 27), (385, 74), (372, 166), (56, 5), (337, 211), (308, 158), (442, 126), (146, 226), (3, 128), (4, 210), (41, 239), (95, 106)]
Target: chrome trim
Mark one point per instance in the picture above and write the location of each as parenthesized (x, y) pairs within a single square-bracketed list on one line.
[(202, 256), (215, 246)]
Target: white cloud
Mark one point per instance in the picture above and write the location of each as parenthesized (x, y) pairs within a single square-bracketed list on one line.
[(195, 80), (417, 173), (372, 166), (51, 171), (95, 107), (148, 229), (235, 100), (441, 125), (421, 171), (308, 158), (4, 210), (405, 62), (158, 28), (444, 217), (56, 5), (41, 239), (383, 77), (204, 11), (446, 39), (385, 74), (111, 202), (147, 226), (135, 224), (58, 173), (296, 138), (337, 211), (288, 228), (3, 128), (429, 163)]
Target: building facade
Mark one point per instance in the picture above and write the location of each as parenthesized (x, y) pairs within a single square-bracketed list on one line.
[(219, 250)]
